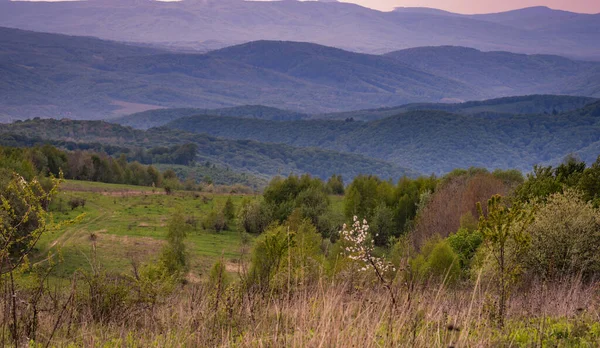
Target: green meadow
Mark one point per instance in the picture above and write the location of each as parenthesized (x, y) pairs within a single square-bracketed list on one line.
[(121, 225)]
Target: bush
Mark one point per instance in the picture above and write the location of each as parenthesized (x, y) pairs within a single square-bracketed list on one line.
[(465, 244), (215, 220), (174, 255), (254, 216), (267, 255), (437, 261), (75, 203), (229, 210), (382, 225), (564, 238)]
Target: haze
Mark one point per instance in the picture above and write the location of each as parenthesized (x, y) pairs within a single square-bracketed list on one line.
[(467, 6), (484, 6)]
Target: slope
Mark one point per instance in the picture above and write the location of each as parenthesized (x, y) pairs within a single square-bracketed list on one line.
[(261, 159), (429, 141), (198, 24), (504, 73)]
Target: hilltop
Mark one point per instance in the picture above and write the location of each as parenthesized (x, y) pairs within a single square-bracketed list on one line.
[(429, 140), (212, 24), (260, 159)]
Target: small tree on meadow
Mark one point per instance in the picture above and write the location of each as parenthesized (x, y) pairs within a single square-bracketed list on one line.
[(174, 256), (504, 232)]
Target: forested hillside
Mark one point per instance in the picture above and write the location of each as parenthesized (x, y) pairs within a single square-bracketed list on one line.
[(59, 76), (502, 72), (159, 117), (500, 107), (429, 141), (204, 24), (261, 159)]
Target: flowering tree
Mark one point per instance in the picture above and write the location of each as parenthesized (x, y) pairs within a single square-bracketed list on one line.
[(360, 247)]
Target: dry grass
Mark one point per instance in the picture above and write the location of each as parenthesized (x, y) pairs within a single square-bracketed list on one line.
[(328, 315)]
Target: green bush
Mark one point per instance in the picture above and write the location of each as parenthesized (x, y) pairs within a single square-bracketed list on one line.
[(465, 244), (254, 216), (215, 221), (564, 238), (268, 254), (437, 261)]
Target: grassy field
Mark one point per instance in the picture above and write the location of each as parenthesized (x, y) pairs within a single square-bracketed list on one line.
[(128, 224)]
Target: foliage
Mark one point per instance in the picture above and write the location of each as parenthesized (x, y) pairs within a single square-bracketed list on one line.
[(261, 159), (174, 255), (502, 227), (465, 244), (229, 210), (437, 261), (306, 194), (564, 238), (254, 216), (391, 209), (335, 185), (23, 218), (216, 221), (455, 201), (268, 255)]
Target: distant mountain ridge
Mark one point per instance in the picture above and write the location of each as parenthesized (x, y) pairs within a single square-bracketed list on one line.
[(188, 24), (429, 140), (85, 78), (260, 159), (501, 107)]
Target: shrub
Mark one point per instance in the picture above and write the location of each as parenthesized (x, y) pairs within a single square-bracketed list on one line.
[(267, 255), (254, 216), (215, 220), (174, 256), (465, 244), (564, 238), (75, 203), (437, 261), (229, 210)]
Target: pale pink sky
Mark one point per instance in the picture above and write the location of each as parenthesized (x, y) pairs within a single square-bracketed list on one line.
[(471, 6), (484, 6)]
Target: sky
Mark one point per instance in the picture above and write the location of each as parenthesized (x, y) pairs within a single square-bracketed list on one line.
[(483, 6), (475, 6)]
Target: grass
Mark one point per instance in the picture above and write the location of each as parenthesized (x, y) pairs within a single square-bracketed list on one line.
[(128, 223)]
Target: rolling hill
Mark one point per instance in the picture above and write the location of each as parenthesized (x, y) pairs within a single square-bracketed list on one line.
[(501, 107), (201, 24), (261, 159), (49, 75), (429, 141), (492, 108), (504, 73), (155, 118)]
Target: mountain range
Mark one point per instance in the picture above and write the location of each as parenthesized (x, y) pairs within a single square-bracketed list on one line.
[(51, 75), (429, 141), (492, 108), (244, 156), (210, 24)]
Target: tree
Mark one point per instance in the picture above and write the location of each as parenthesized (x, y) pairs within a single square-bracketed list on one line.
[(229, 210), (174, 256), (501, 227), (335, 185), (589, 183), (382, 225), (23, 218), (565, 235)]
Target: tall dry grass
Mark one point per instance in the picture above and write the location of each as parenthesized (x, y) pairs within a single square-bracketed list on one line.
[(320, 315)]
